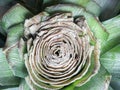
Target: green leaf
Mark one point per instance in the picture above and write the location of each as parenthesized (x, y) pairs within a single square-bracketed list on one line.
[(15, 49), (96, 27), (113, 28), (14, 35), (23, 85), (6, 75), (16, 62), (17, 14), (99, 82), (106, 46), (89, 5), (111, 61), (94, 24)]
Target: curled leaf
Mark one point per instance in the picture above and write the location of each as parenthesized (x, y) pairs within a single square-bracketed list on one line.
[(60, 51)]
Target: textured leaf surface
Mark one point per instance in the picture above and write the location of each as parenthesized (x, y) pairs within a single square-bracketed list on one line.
[(111, 61), (113, 28), (14, 35), (89, 5), (14, 52), (17, 14), (99, 82), (6, 75), (23, 85), (16, 62)]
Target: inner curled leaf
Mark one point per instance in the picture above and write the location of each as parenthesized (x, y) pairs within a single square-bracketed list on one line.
[(59, 50)]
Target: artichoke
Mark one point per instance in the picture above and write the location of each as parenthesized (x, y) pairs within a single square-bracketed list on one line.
[(59, 50), (64, 47)]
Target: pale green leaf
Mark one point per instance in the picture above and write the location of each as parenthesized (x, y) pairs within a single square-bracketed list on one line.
[(14, 35), (23, 85), (113, 28), (89, 5), (97, 28), (14, 52), (16, 61), (17, 14), (111, 61), (99, 82), (6, 75)]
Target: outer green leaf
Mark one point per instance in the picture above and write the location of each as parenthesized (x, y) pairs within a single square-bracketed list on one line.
[(113, 28), (16, 61), (23, 85), (106, 46), (89, 5), (97, 28), (92, 21), (15, 49), (111, 61), (14, 35), (99, 82), (17, 14), (6, 75)]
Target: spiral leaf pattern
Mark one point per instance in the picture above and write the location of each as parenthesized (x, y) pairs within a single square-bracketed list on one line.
[(59, 49)]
